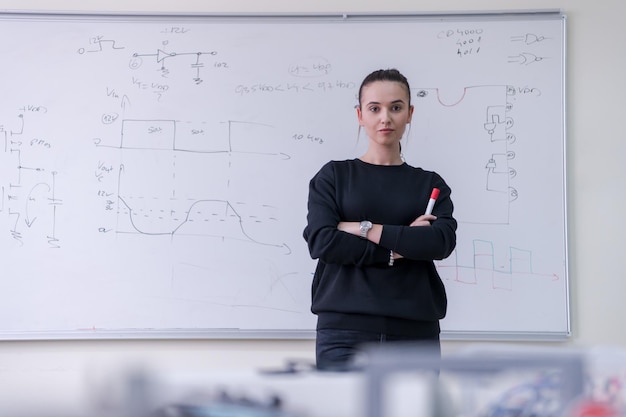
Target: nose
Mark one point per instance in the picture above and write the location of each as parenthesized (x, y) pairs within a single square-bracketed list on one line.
[(384, 117)]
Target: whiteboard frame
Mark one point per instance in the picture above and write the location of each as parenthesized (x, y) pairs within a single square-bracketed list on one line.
[(142, 334)]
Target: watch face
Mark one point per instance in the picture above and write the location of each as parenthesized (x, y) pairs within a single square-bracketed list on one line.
[(365, 226)]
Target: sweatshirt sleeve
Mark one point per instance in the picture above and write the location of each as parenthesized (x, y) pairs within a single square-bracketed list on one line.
[(434, 242), (324, 240)]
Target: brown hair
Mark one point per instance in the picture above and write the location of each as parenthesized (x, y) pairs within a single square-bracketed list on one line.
[(386, 75)]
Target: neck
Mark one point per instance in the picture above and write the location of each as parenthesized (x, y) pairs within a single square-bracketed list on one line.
[(392, 158)]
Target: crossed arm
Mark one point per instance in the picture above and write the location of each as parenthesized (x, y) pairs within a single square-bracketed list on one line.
[(377, 229)]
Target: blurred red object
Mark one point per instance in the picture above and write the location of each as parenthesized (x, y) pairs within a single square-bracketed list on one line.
[(592, 409)]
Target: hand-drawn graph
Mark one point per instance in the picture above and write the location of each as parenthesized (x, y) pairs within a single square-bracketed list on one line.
[(165, 191), (163, 187)]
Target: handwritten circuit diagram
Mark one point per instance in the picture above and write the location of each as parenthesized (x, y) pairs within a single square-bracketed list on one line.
[(29, 197), (485, 174)]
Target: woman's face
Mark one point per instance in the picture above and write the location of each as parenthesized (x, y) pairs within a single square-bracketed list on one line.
[(384, 111)]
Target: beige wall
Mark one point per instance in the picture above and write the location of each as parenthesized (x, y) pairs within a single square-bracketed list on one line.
[(596, 204)]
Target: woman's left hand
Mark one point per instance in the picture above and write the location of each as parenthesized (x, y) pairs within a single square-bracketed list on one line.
[(423, 220)]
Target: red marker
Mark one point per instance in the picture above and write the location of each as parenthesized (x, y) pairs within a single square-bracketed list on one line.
[(431, 201)]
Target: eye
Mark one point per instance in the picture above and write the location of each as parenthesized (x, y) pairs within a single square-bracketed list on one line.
[(373, 109), (397, 108)]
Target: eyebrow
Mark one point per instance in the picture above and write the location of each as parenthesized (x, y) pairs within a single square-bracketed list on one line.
[(393, 102)]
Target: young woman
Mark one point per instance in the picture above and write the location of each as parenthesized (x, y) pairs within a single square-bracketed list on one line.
[(375, 279)]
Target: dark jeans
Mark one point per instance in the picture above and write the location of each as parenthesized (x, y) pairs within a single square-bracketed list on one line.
[(335, 349)]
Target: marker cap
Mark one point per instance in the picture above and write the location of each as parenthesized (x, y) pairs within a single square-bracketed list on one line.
[(435, 194)]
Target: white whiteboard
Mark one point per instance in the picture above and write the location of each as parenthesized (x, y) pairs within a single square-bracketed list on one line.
[(154, 169)]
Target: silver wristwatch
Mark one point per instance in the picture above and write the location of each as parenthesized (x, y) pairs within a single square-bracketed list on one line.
[(365, 227)]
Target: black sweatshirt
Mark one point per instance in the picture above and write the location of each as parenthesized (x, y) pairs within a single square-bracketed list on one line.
[(353, 286)]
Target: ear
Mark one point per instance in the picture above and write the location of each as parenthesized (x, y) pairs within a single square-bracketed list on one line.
[(359, 115), (411, 108)]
